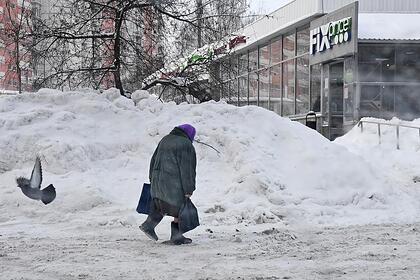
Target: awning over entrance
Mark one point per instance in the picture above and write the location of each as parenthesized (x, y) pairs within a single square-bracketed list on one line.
[(389, 26)]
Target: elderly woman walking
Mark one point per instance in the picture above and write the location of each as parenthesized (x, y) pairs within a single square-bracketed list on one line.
[(172, 175)]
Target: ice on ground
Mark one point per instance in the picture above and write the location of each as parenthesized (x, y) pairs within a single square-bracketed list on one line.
[(96, 150)]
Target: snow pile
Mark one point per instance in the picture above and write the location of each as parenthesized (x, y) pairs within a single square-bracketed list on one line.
[(402, 165), (96, 150)]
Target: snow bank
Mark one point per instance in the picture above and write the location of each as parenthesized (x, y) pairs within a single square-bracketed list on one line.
[(96, 150), (401, 166)]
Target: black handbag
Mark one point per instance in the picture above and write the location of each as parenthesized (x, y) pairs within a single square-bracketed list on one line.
[(188, 216), (145, 199)]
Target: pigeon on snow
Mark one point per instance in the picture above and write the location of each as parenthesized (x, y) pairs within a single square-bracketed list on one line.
[(32, 188)]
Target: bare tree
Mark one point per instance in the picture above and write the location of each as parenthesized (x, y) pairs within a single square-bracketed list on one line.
[(193, 71), (107, 42)]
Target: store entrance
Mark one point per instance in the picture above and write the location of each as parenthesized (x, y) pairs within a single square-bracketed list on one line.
[(336, 90)]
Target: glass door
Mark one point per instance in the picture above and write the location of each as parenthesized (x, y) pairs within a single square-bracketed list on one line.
[(336, 90)]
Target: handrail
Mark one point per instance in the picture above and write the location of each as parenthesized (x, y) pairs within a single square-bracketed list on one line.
[(396, 125), (303, 117)]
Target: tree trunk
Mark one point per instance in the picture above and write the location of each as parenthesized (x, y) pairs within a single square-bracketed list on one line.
[(18, 69), (117, 51), (199, 23)]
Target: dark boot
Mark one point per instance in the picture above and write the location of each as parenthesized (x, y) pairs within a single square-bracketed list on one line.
[(176, 236), (148, 227)]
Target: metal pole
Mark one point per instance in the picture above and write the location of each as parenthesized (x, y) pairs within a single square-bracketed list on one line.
[(361, 126), (398, 137), (379, 133)]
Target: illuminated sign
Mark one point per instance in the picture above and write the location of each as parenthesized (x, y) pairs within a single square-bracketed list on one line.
[(333, 33)]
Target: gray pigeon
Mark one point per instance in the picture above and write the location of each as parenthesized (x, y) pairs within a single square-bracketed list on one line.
[(32, 188)]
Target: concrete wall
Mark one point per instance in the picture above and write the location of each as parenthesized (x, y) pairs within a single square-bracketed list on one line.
[(267, 27), (375, 6)]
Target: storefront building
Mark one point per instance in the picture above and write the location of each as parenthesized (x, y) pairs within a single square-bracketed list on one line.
[(341, 59)]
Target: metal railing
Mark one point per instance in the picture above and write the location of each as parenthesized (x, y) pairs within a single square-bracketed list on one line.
[(396, 125)]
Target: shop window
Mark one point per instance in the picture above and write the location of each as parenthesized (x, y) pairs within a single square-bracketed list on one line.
[(408, 63), (377, 63), (243, 64), (253, 60), (316, 88), (302, 39), (264, 80), (383, 101), (276, 51), (224, 70), (302, 85), (288, 99), (275, 89), (233, 92), (233, 67), (253, 89), (349, 101), (243, 91), (370, 101), (264, 56), (407, 102), (224, 91), (289, 46)]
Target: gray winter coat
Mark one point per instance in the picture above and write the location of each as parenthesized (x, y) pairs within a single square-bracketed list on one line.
[(173, 168)]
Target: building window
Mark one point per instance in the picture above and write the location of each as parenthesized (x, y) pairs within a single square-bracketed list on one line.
[(243, 64), (276, 51), (408, 63), (288, 99), (302, 85), (253, 60), (233, 92), (275, 89), (289, 46), (243, 90), (302, 41), (264, 56), (316, 88), (253, 88), (376, 63), (264, 80)]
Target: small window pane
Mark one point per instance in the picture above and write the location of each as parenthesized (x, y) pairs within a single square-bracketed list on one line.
[(233, 92), (243, 64), (253, 60), (289, 46), (316, 88), (264, 57), (264, 79), (289, 88), (276, 51), (253, 88), (243, 91), (302, 87), (275, 89), (408, 63), (303, 41)]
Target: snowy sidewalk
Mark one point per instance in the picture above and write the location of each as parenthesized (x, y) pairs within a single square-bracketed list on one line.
[(357, 252)]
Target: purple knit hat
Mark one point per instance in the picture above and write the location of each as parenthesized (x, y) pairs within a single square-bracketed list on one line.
[(189, 130)]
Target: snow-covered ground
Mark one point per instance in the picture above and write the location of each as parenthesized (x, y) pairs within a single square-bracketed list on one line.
[(320, 197)]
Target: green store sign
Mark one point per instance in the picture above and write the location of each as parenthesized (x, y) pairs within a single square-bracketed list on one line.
[(329, 35)]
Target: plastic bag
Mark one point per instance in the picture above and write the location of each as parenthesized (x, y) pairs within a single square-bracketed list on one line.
[(145, 199), (188, 216)]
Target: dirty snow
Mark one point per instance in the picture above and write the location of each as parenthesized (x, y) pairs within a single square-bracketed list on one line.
[(271, 173)]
